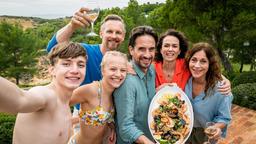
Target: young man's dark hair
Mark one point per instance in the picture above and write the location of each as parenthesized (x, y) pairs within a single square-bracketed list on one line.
[(66, 50)]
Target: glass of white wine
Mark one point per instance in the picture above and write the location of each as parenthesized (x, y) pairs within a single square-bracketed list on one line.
[(210, 131), (93, 14)]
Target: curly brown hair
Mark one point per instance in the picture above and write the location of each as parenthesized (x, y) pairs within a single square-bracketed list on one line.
[(213, 74)]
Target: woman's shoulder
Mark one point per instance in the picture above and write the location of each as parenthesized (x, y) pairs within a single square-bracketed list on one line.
[(87, 89), (219, 95)]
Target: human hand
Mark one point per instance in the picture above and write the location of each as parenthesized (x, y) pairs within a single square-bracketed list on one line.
[(213, 132), (80, 19), (143, 140), (224, 87), (112, 135), (217, 135)]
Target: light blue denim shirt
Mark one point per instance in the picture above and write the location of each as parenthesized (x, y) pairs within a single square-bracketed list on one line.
[(132, 100), (213, 108)]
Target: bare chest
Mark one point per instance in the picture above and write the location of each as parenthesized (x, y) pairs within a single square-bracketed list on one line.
[(43, 127)]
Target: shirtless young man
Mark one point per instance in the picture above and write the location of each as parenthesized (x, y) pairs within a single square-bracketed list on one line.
[(44, 115)]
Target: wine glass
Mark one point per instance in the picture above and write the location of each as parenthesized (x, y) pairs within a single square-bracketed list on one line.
[(93, 15), (210, 131)]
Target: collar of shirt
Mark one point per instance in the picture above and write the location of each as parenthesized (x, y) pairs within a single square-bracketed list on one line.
[(202, 95), (190, 91)]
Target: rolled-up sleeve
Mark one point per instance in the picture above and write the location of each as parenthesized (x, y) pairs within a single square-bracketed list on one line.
[(51, 43), (124, 98), (224, 112)]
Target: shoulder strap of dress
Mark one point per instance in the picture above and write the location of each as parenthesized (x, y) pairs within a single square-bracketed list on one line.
[(99, 92)]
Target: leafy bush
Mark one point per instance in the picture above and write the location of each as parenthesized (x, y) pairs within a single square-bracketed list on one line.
[(6, 128), (230, 75), (245, 95), (245, 77)]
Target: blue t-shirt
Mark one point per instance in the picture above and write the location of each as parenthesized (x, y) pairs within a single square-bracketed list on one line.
[(93, 71)]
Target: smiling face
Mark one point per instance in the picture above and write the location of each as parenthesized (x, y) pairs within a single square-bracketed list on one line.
[(199, 65), (70, 72), (114, 70), (170, 48), (112, 33), (143, 51)]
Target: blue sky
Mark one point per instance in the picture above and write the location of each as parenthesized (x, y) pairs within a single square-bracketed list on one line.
[(56, 8)]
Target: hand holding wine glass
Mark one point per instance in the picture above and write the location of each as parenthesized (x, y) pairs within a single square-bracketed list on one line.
[(79, 19), (213, 133)]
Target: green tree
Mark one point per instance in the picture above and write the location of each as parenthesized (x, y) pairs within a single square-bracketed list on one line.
[(209, 20), (18, 52), (242, 38)]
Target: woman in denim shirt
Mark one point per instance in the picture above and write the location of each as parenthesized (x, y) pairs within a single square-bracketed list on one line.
[(209, 105)]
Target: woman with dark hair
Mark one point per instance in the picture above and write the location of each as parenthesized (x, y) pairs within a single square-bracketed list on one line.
[(209, 105), (170, 63), (169, 59)]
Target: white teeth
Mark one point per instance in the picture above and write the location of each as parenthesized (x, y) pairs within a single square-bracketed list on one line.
[(197, 71), (170, 54), (112, 41), (73, 78), (116, 80)]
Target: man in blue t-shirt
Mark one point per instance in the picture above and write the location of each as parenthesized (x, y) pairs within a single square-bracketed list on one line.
[(112, 33)]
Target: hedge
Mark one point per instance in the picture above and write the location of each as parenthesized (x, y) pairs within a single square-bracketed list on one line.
[(245, 95), (6, 128), (243, 78)]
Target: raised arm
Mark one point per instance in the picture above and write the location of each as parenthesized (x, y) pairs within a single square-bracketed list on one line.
[(78, 20), (14, 100)]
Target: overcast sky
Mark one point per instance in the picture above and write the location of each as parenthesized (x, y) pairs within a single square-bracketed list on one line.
[(56, 8)]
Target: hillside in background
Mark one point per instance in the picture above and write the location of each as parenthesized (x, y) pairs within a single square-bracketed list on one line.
[(28, 22), (25, 22)]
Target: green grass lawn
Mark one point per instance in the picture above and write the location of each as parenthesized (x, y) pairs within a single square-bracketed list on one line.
[(236, 67)]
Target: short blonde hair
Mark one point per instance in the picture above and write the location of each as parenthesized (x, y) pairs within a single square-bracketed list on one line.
[(109, 54)]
